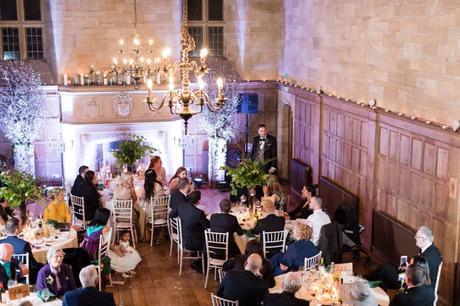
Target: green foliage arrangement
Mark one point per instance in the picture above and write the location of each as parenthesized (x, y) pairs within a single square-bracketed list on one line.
[(132, 149), (18, 188), (247, 174)]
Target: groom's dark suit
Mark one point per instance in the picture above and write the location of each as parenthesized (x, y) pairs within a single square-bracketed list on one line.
[(269, 150)]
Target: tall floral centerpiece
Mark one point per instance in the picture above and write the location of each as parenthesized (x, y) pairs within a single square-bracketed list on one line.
[(221, 127), (248, 174), (18, 188), (22, 110), (132, 149)]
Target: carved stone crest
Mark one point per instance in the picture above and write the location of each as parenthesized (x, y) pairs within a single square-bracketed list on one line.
[(123, 105), (93, 109)]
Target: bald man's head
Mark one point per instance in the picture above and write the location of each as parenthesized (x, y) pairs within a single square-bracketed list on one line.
[(253, 263), (6, 252)]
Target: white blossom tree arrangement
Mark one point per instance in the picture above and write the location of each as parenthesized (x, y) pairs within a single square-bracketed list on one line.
[(22, 110), (220, 126)]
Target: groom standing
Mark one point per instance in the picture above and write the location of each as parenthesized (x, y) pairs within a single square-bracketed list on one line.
[(264, 148)]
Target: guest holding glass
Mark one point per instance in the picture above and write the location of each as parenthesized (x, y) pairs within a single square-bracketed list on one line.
[(56, 276), (57, 211), (293, 258), (9, 266), (181, 172)]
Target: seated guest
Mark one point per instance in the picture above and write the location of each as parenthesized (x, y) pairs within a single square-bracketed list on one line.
[(303, 210), (417, 293), (5, 211), (125, 188), (9, 265), (388, 273), (98, 226), (156, 164), (57, 211), (422, 263), (291, 284), (152, 186), (272, 191), (252, 247), (123, 257), (21, 246), (270, 222), (317, 219), (245, 286), (181, 172), (360, 294), (194, 223), (56, 276), (224, 222), (88, 295), (179, 195), (79, 179), (88, 190), (294, 256)]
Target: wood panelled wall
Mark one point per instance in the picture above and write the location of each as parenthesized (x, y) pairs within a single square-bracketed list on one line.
[(404, 167)]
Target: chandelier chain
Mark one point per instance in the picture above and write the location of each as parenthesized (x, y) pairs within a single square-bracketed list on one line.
[(135, 15)]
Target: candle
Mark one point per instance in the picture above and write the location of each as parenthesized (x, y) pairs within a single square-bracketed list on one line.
[(128, 80), (220, 85), (105, 79), (166, 52), (149, 84), (203, 52), (82, 79), (158, 78), (171, 83), (65, 80)]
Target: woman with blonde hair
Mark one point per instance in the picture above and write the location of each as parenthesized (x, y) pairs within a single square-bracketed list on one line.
[(295, 255), (125, 188), (57, 211)]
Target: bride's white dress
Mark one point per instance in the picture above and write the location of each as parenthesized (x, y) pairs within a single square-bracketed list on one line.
[(127, 262)]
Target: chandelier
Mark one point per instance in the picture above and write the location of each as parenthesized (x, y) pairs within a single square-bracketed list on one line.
[(136, 63), (186, 101)]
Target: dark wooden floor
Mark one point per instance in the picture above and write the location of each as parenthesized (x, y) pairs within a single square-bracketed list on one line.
[(157, 281)]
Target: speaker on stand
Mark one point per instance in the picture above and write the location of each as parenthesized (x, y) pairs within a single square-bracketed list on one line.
[(249, 104)]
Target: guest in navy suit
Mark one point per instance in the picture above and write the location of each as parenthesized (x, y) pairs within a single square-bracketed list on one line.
[(179, 195), (88, 295), (270, 222), (224, 222), (21, 246), (56, 276), (291, 284)]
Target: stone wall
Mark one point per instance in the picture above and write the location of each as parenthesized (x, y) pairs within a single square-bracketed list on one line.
[(405, 54)]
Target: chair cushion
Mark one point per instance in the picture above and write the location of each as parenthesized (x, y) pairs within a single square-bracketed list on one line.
[(159, 221), (217, 262)]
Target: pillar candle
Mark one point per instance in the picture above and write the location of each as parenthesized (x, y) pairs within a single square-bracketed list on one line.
[(65, 80), (128, 80), (105, 79), (158, 78), (82, 79)]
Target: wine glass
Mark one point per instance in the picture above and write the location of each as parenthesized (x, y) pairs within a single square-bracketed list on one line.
[(45, 294)]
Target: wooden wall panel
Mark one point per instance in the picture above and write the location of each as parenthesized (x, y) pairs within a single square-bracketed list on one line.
[(394, 164)]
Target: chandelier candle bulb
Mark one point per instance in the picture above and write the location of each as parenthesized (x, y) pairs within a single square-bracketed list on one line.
[(149, 84), (220, 86), (128, 80), (105, 79), (158, 78), (115, 61), (166, 52), (65, 79), (82, 79), (150, 42), (122, 42), (203, 53)]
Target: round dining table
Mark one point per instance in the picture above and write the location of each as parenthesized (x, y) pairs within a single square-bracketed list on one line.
[(61, 240)]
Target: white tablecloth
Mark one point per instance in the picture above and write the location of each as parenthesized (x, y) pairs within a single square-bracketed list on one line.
[(380, 295), (35, 300), (64, 240)]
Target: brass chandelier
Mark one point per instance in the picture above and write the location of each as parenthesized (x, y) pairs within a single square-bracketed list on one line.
[(186, 101), (136, 63)]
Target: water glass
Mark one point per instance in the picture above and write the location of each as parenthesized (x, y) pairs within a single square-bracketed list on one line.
[(45, 294)]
